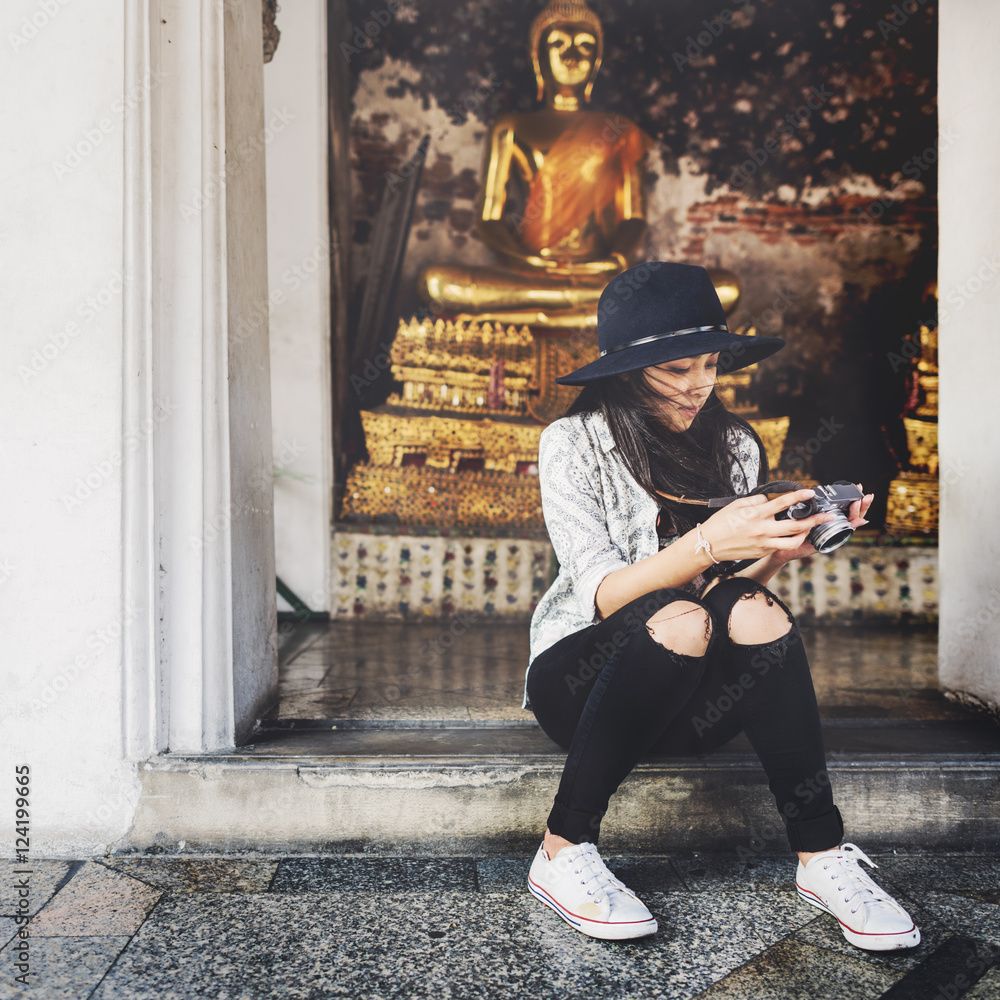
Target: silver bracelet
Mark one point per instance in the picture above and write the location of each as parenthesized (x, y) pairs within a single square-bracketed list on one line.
[(703, 544)]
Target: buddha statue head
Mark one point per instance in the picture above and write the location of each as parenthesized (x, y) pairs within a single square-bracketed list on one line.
[(566, 44)]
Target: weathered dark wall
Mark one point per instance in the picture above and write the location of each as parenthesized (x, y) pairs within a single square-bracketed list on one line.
[(796, 145)]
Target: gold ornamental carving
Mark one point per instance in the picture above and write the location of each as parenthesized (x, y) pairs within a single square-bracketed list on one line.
[(555, 356), (462, 367), (432, 497), (913, 504), (914, 495), (922, 440), (457, 444), (415, 474), (441, 442)]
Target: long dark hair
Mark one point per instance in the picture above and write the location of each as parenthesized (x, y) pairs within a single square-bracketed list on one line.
[(696, 463)]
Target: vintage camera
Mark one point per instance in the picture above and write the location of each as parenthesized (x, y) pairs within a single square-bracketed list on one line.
[(837, 498)]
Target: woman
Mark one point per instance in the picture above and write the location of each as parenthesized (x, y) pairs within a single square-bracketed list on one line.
[(661, 605)]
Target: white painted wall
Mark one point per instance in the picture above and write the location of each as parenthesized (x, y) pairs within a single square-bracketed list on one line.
[(136, 549), (61, 283), (298, 269), (969, 297)]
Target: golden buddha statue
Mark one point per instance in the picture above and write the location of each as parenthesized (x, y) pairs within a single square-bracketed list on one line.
[(563, 198)]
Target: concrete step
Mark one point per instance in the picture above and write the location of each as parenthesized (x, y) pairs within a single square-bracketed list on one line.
[(408, 788)]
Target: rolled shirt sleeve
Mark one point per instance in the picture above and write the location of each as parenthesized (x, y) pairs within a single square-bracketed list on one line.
[(569, 480)]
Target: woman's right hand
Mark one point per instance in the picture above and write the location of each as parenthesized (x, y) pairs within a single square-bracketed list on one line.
[(746, 528)]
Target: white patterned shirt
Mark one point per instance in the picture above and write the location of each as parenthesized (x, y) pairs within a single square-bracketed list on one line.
[(599, 519)]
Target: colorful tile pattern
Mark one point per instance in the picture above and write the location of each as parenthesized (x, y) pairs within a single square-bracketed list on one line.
[(404, 576)]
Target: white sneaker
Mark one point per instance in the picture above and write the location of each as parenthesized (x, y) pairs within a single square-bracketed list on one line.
[(869, 917), (578, 886)]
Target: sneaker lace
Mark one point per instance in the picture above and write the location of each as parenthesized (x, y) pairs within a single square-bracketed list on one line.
[(599, 881), (854, 882)]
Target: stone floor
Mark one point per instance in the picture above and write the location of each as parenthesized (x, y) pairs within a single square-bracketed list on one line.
[(249, 928), (243, 927)]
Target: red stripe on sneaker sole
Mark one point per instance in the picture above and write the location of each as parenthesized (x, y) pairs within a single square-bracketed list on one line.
[(571, 917), (811, 897)]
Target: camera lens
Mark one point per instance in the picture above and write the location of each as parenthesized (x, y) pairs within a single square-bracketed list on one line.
[(827, 537)]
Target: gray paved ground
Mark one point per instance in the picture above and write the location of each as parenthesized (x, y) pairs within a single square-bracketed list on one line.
[(250, 928)]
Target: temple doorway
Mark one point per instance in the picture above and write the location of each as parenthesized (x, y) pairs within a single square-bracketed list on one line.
[(446, 386), (446, 334)]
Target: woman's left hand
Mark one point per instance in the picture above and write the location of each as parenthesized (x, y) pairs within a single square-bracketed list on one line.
[(856, 517)]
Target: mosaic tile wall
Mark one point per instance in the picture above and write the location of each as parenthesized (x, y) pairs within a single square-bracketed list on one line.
[(863, 582), (399, 576), (378, 575)]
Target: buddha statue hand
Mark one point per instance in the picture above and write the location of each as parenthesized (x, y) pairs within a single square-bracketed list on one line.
[(603, 267)]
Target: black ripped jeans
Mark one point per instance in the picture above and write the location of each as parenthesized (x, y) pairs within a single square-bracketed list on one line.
[(611, 695)]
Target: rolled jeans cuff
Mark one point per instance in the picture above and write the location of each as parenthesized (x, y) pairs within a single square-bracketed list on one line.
[(577, 827), (818, 834)]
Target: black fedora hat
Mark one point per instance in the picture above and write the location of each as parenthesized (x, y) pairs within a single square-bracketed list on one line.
[(660, 311)]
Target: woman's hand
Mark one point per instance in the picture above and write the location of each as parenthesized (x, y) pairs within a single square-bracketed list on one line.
[(746, 528)]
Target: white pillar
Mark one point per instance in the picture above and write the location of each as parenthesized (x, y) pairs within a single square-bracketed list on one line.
[(246, 381), (211, 503), (298, 257), (969, 302)]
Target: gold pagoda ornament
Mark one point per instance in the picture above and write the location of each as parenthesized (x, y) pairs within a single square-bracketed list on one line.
[(463, 367), (454, 446), (914, 497)]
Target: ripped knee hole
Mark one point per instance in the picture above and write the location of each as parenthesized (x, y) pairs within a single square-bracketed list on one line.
[(754, 627), (688, 641)]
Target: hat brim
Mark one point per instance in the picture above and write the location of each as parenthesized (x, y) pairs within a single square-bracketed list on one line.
[(735, 352)]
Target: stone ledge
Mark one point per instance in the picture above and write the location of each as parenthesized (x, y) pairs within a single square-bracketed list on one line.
[(427, 792), (491, 807)]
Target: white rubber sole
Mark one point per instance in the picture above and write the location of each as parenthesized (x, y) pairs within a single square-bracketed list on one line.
[(602, 929), (870, 942)]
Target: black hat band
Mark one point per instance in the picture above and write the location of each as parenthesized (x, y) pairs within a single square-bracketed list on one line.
[(663, 336)]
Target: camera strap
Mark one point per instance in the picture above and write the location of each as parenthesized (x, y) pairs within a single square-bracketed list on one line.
[(777, 486)]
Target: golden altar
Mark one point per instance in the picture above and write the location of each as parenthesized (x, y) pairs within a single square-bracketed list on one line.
[(457, 445)]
